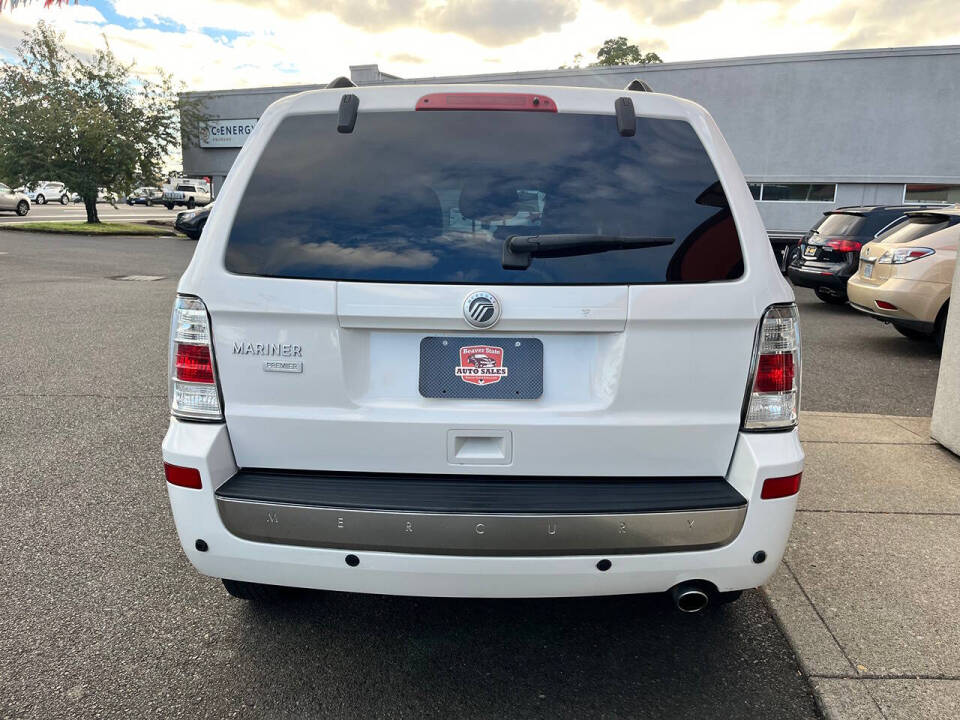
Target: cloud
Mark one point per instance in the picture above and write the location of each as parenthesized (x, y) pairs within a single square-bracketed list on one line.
[(890, 23), (666, 12), (502, 22), (493, 23), (406, 58)]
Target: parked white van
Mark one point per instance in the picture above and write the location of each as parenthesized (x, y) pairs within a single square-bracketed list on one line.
[(491, 341)]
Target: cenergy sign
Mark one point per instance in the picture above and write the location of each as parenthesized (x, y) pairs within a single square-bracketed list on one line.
[(226, 133)]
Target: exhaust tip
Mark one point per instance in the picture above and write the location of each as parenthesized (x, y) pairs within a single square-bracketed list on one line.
[(690, 597)]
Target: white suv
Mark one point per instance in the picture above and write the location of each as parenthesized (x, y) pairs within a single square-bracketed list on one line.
[(47, 192), (493, 342)]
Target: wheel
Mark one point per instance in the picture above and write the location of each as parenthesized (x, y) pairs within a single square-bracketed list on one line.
[(41, 200), (940, 328), (254, 592), (168, 206), (830, 298), (191, 204), (23, 207), (911, 333), (149, 202), (64, 199)]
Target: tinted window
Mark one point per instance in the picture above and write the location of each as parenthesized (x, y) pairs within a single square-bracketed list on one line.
[(755, 190), (840, 224), (433, 196), (799, 192), (186, 188), (918, 226), (931, 193)]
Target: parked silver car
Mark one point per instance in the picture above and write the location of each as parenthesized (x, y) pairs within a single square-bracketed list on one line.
[(14, 200)]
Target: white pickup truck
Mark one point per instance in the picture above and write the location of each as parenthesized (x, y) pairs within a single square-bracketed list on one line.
[(186, 192)]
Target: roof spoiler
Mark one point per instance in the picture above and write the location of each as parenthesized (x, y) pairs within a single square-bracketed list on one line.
[(638, 85), (341, 82)]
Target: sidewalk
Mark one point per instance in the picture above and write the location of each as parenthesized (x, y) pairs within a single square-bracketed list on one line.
[(869, 590)]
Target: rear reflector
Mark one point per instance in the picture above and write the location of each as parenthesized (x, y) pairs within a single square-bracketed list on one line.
[(884, 305), (182, 476), (487, 101), (193, 363), (780, 487)]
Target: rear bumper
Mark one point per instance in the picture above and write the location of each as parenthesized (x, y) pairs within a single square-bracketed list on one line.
[(832, 277), (763, 525), (918, 302)]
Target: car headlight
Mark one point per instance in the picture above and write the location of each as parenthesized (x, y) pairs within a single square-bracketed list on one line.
[(188, 216), (904, 255)]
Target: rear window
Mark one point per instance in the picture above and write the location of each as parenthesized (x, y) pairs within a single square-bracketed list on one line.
[(918, 226), (186, 188), (432, 197)]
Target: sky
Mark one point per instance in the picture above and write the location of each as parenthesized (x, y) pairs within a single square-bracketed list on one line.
[(216, 44)]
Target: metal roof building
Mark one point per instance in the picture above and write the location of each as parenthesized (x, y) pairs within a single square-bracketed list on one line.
[(811, 131)]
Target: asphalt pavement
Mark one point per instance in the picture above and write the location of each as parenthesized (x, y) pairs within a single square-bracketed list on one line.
[(104, 616)]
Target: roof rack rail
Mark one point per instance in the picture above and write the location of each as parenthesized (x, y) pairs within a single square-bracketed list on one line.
[(341, 82), (639, 85)]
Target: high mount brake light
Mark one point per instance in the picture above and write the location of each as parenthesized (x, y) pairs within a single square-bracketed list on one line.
[(194, 393), (773, 392), (522, 102)]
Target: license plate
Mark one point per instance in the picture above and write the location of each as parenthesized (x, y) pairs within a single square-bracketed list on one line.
[(868, 270), (809, 251), (481, 368)]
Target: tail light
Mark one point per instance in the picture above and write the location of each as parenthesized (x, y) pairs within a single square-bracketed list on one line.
[(194, 391), (904, 255), (844, 245), (773, 393)]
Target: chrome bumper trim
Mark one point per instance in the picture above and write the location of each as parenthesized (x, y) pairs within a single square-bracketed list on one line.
[(487, 534)]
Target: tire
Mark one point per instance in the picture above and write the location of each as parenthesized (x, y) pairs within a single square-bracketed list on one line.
[(831, 299), (64, 199), (41, 200), (191, 204), (911, 333), (940, 328), (23, 207), (168, 206), (149, 202), (254, 592)]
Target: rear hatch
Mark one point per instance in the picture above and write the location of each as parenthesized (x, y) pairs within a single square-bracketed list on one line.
[(346, 330), (916, 226)]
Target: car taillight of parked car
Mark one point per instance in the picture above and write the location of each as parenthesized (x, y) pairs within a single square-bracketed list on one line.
[(773, 393), (844, 245), (194, 391), (905, 255)]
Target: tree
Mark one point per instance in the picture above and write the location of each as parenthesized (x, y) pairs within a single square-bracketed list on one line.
[(617, 51), (88, 122)]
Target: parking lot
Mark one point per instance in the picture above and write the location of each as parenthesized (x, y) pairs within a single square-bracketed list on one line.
[(76, 212), (106, 618)]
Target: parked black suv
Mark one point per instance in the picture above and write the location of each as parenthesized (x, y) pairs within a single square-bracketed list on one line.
[(829, 254)]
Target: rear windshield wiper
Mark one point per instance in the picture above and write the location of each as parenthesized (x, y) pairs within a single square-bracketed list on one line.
[(518, 249)]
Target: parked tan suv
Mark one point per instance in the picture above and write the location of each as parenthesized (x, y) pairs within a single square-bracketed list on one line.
[(906, 275)]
